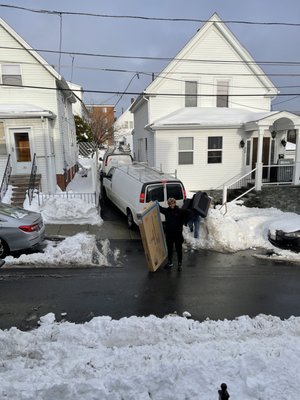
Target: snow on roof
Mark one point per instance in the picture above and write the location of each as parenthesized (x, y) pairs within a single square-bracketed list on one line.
[(13, 110), (211, 116)]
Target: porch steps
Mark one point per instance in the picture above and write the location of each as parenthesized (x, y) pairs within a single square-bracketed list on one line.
[(19, 185)]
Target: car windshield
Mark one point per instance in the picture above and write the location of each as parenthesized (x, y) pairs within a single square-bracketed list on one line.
[(14, 212)]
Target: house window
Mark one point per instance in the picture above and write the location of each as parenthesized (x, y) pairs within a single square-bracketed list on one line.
[(11, 74), (191, 93), (3, 150), (291, 136), (186, 150), (215, 148), (248, 152), (272, 156), (222, 93)]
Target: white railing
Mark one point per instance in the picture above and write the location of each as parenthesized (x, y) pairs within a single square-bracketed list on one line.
[(90, 198), (240, 183)]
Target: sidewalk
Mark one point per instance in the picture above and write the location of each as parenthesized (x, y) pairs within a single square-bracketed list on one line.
[(108, 230)]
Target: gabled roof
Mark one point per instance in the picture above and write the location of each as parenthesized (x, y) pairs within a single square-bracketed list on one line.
[(214, 22), (59, 78)]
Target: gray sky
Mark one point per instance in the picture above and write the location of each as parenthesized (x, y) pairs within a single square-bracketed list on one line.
[(135, 37)]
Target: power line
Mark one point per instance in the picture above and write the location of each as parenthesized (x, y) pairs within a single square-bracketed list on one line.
[(270, 63), (118, 93), (144, 18), (161, 74)]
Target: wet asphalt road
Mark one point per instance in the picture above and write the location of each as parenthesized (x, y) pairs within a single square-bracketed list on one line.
[(211, 285)]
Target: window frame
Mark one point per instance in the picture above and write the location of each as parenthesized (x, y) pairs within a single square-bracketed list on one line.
[(222, 93), (186, 151), (190, 99), (15, 76), (210, 150)]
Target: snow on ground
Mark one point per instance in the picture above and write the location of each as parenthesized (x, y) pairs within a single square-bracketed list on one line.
[(150, 358)]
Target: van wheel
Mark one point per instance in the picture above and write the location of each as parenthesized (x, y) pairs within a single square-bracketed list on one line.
[(104, 195), (130, 221), (4, 250)]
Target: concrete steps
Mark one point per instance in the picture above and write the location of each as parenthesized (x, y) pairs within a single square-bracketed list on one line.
[(19, 185)]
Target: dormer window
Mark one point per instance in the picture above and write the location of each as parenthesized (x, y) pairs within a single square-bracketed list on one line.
[(191, 93), (222, 93), (11, 74)]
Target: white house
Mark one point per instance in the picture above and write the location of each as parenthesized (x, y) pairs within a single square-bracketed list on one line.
[(123, 129), (35, 114), (208, 115)]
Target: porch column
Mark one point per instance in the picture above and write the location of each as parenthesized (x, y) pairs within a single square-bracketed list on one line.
[(259, 166), (296, 177)]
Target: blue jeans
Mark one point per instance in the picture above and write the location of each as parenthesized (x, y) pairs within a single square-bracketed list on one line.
[(194, 225)]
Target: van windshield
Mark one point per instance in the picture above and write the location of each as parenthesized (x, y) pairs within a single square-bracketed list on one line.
[(155, 192), (174, 190)]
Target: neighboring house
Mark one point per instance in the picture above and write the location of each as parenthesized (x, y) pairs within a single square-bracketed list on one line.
[(123, 130), (35, 114), (102, 117), (207, 114)]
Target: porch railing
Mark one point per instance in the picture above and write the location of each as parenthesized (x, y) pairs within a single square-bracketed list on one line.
[(244, 185), (277, 174), (31, 184), (6, 177)]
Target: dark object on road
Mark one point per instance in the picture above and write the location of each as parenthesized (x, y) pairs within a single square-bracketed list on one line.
[(223, 394), (285, 233)]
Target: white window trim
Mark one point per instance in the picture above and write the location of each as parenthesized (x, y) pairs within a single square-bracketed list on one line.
[(223, 78), (21, 74), (186, 151)]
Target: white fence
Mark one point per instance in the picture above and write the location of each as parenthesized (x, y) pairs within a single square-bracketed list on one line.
[(90, 198)]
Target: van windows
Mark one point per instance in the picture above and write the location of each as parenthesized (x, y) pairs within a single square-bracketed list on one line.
[(155, 192), (175, 191)]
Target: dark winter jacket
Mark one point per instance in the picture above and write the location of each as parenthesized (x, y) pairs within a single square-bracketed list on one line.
[(175, 219)]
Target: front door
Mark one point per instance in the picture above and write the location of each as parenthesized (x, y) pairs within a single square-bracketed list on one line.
[(21, 152), (265, 154)]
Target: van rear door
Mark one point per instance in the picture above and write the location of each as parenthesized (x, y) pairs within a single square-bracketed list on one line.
[(176, 190)]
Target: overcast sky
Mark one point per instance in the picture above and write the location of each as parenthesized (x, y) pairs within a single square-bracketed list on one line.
[(136, 37)]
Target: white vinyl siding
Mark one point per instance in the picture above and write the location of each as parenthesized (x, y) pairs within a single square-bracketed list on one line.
[(199, 175), (3, 148)]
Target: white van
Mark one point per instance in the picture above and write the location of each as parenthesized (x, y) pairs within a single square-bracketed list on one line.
[(113, 157), (131, 186)]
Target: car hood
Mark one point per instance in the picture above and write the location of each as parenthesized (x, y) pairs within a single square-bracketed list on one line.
[(286, 224)]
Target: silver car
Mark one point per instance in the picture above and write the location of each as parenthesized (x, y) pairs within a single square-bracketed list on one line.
[(19, 229)]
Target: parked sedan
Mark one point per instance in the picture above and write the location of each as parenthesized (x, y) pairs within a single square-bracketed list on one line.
[(19, 229), (285, 233)]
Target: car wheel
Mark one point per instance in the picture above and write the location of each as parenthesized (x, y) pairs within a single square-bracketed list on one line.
[(130, 221), (4, 250)]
